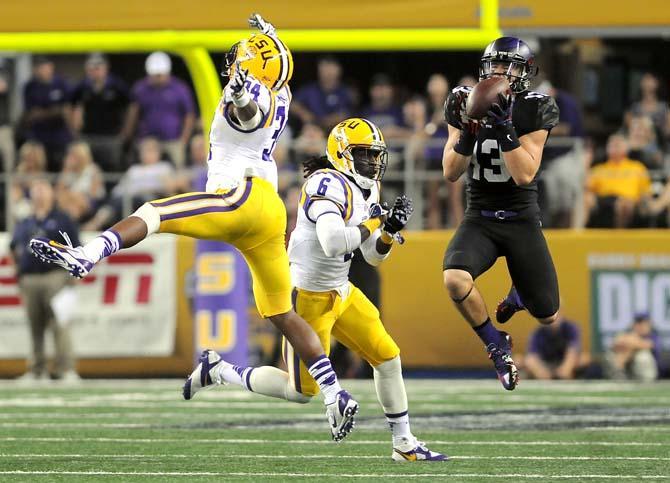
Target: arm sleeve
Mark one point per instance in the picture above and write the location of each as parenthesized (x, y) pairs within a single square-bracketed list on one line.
[(263, 98), (335, 238), (369, 249)]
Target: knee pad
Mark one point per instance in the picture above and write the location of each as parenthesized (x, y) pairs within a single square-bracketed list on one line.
[(149, 214), (389, 368)]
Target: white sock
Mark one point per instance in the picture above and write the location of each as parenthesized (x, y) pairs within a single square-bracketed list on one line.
[(324, 375), (102, 246), (266, 380), (392, 397)]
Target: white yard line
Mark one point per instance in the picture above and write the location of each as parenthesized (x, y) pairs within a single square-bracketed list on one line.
[(338, 475), (328, 456), (323, 441)]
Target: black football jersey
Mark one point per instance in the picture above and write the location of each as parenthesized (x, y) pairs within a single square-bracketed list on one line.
[(490, 186)]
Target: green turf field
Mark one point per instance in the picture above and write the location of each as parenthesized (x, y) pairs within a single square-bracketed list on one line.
[(143, 431)]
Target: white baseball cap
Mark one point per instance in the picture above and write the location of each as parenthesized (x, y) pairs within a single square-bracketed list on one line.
[(158, 63)]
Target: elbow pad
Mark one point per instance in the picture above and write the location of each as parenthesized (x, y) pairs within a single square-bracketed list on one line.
[(252, 123)]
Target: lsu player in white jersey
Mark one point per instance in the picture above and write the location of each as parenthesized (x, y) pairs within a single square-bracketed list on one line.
[(340, 211), (240, 206)]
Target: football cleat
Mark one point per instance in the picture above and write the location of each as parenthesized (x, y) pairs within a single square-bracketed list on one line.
[(70, 258), (413, 450), (341, 414), (501, 355), (509, 306), (201, 377)]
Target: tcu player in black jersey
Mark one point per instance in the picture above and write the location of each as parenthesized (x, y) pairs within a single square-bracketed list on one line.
[(502, 154)]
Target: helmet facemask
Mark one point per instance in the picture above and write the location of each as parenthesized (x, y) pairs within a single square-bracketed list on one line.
[(518, 73), (368, 164)]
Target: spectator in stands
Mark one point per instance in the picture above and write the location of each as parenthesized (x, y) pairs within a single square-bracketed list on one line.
[(32, 162), (616, 187), (437, 133), (146, 181), (162, 107), (308, 144), (46, 114), (325, 102), (40, 282), (7, 149), (467, 81), (554, 350), (80, 188), (650, 105), (562, 167), (634, 354), (642, 142), (100, 102), (188, 179), (387, 114)]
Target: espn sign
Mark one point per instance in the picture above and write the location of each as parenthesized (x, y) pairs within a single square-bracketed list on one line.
[(617, 295), (126, 307)]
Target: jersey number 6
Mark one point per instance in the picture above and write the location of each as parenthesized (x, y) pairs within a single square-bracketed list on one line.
[(323, 186)]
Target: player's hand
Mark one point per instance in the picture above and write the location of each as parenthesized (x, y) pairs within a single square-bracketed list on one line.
[(399, 215), (261, 24), (456, 104), (380, 211), (235, 86), (501, 112)]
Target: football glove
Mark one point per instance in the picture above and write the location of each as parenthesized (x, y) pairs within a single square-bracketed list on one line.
[(456, 104), (376, 217), (399, 215), (501, 111), (235, 89), (261, 24)]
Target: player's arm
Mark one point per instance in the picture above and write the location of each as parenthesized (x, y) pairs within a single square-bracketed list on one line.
[(245, 111), (523, 154), (335, 237), (462, 135), (376, 248)]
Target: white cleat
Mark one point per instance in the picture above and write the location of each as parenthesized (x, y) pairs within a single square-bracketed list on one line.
[(68, 257), (410, 449), (201, 377), (341, 414)]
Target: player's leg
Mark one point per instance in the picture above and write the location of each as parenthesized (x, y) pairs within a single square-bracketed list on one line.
[(360, 328), (470, 253), (532, 270), (197, 215)]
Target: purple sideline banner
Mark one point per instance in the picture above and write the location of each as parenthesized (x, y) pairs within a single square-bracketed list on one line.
[(220, 299)]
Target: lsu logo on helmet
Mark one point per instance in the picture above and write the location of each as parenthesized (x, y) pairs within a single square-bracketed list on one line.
[(356, 147), (265, 57)]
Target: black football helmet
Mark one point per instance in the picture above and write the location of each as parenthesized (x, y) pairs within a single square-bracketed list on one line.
[(516, 56)]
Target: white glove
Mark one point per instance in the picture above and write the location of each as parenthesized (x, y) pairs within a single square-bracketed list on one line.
[(261, 24)]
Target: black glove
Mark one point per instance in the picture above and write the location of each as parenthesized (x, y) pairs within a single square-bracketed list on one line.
[(237, 80), (501, 112), (399, 215), (456, 104)]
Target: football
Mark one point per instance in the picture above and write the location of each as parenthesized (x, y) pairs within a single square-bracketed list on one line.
[(484, 94)]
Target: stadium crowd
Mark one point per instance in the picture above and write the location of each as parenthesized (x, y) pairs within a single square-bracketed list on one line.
[(109, 146), (105, 147)]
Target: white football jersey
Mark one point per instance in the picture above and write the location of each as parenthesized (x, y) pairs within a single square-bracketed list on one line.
[(311, 269), (235, 152)]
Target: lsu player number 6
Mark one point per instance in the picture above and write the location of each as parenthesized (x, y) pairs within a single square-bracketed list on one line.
[(340, 211), (240, 207)]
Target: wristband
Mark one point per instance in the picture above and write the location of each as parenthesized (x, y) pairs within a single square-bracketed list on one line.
[(386, 238), (372, 224), (242, 99), (507, 137), (466, 143)]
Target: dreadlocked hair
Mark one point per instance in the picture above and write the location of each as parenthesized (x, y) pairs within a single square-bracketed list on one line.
[(315, 164)]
